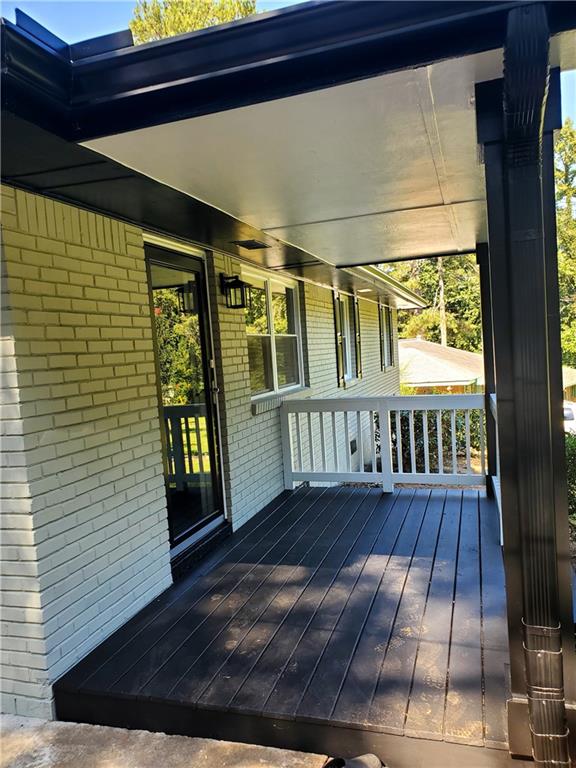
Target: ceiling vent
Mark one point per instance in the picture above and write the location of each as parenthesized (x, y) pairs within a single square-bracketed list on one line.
[(250, 245)]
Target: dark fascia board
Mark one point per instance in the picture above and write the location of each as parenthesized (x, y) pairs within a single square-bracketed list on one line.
[(304, 48), (43, 163)]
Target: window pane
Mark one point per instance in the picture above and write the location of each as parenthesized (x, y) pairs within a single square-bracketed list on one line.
[(283, 306), (256, 311), (287, 360), (260, 362)]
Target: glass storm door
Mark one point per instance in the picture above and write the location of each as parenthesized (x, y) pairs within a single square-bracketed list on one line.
[(185, 383)]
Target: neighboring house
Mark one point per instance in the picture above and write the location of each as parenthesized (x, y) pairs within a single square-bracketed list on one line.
[(201, 377), (569, 382), (433, 368)]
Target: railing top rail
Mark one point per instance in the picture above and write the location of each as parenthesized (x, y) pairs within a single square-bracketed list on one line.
[(190, 409), (390, 402)]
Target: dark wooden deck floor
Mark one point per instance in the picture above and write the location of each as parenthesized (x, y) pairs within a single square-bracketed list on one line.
[(334, 621)]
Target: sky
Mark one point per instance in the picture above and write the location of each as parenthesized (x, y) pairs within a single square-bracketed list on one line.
[(74, 20)]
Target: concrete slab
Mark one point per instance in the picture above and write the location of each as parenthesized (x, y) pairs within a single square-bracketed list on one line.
[(31, 743)]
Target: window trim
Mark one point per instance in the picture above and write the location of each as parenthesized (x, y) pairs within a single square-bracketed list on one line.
[(268, 279), (347, 319), (386, 328), (347, 339)]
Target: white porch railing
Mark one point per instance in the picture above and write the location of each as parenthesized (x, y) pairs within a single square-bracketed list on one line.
[(428, 439)]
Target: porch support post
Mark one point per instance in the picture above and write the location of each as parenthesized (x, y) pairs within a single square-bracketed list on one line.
[(483, 261), (512, 123), (567, 617)]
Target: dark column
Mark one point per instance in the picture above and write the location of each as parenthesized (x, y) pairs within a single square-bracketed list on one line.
[(527, 365), (482, 259), (499, 274), (557, 418)]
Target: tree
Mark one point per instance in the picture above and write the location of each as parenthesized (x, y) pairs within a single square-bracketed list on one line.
[(565, 176), (156, 19), (179, 350), (451, 288)]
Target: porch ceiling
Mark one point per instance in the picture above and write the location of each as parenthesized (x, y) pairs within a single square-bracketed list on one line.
[(375, 170), (335, 133), (370, 171)]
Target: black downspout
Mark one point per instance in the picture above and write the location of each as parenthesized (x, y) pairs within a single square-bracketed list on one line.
[(526, 75), (483, 261)]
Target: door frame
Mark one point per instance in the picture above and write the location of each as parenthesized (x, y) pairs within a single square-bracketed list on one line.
[(176, 255)]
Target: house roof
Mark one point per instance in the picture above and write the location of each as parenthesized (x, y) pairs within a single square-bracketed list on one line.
[(424, 363), (336, 134), (427, 364)]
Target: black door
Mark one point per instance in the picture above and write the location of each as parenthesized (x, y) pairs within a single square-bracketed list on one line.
[(185, 389)]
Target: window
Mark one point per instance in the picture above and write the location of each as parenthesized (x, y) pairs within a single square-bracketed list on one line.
[(273, 331), (348, 345), (386, 337)]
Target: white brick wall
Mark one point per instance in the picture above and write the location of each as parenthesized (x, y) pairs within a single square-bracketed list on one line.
[(85, 538), (252, 443), (85, 529)]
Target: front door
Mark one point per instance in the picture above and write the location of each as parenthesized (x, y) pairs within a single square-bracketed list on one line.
[(186, 384)]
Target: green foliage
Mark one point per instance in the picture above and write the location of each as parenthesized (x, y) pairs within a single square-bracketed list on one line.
[(565, 176), (156, 19), (461, 296), (179, 350), (571, 475), (257, 312), (432, 432)]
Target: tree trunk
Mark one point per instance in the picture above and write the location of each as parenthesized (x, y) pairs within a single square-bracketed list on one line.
[(442, 304)]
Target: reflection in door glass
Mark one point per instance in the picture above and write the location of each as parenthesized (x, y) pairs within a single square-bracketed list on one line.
[(188, 430)]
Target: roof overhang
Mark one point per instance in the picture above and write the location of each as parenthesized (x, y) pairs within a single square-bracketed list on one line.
[(337, 134)]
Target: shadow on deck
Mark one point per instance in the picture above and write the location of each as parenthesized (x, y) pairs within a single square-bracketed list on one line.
[(338, 620)]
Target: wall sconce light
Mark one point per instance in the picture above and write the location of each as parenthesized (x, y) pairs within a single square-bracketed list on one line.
[(235, 291), (187, 298)]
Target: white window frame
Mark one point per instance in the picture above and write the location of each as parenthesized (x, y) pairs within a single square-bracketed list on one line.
[(268, 279), (386, 330), (348, 338)]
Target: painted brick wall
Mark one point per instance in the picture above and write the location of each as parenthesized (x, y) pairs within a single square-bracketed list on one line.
[(85, 528), (252, 449), (84, 514)]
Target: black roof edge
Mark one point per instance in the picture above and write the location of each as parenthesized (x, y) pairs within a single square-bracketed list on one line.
[(103, 44), (72, 52), (41, 33), (304, 48)]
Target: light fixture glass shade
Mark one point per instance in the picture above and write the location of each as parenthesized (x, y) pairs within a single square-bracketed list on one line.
[(235, 291), (187, 298)]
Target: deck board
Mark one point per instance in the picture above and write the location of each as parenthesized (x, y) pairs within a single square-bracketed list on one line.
[(392, 695), (222, 597), (263, 675), (339, 608), (238, 667), (425, 717), (464, 702)]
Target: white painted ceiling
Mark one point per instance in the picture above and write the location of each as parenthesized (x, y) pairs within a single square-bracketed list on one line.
[(370, 171)]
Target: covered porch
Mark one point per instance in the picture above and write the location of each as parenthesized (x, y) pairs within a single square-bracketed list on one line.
[(345, 619), (338, 619)]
